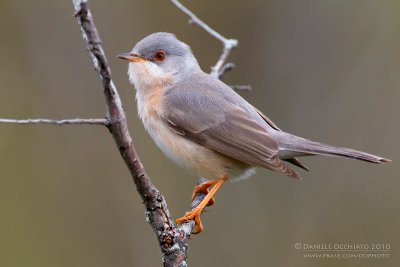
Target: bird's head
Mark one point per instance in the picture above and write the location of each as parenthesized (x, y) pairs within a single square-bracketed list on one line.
[(159, 59)]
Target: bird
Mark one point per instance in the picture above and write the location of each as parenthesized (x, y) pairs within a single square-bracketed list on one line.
[(202, 124)]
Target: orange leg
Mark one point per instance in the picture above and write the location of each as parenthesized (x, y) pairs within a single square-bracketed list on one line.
[(195, 213), (204, 189)]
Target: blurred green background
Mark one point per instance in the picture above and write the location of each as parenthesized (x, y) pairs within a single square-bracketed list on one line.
[(325, 70)]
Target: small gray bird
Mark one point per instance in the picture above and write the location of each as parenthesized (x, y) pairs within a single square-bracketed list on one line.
[(202, 124)]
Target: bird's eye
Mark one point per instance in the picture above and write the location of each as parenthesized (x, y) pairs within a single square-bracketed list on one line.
[(159, 55)]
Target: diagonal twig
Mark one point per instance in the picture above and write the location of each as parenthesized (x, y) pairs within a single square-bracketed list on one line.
[(219, 69)]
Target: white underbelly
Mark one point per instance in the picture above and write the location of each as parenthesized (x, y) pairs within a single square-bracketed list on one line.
[(204, 162)]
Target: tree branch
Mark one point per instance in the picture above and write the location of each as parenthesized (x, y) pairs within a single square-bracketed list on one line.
[(172, 240), (219, 69), (57, 122), (241, 87)]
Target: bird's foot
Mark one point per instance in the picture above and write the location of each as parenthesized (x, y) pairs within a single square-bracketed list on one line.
[(190, 215), (195, 213), (204, 188)]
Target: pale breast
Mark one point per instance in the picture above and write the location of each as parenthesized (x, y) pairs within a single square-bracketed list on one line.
[(203, 161)]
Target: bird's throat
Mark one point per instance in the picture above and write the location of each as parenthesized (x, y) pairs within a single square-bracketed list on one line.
[(146, 75)]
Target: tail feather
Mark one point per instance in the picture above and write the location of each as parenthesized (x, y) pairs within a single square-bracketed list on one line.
[(303, 146)]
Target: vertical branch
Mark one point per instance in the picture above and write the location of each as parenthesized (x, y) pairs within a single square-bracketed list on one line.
[(173, 242)]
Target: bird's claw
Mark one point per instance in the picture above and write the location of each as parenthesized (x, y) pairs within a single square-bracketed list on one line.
[(190, 215)]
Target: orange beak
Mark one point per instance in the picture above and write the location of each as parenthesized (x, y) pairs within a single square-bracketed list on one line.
[(131, 57)]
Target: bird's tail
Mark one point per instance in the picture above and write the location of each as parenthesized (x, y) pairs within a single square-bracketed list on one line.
[(297, 146)]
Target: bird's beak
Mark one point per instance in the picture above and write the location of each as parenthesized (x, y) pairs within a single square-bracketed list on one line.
[(132, 57)]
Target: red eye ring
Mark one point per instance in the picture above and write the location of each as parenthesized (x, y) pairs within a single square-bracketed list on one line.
[(159, 55)]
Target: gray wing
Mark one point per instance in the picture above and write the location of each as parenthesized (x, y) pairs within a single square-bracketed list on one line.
[(212, 119), (294, 161)]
